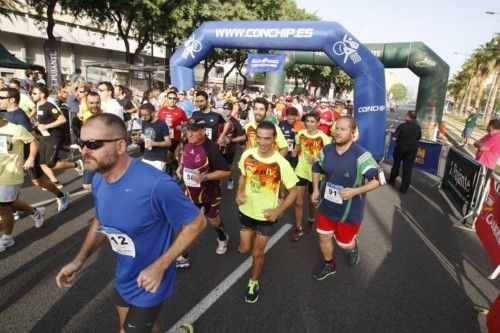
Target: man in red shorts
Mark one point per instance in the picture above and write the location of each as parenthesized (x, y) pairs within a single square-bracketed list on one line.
[(350, 171)]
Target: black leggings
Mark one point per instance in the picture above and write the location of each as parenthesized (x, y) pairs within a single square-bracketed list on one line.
[(139, 320)]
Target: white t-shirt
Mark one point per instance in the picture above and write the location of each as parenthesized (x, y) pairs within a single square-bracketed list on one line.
[(112, 106)]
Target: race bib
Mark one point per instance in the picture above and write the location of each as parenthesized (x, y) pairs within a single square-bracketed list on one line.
[(188, 176), (208, 132), (4, 145), (39, 112), (119, 241), (332, 193), (290, 144)]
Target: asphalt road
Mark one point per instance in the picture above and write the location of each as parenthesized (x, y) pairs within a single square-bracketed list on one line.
[(417, 273)]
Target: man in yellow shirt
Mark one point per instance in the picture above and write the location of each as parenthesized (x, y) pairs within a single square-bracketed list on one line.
[(308, 144), (260, 106), (12, 140), (263, 171)]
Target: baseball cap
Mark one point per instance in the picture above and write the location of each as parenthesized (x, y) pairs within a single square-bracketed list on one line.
[(228, 106), (323, 100), (195, 124), (182, 92), (289, 98)]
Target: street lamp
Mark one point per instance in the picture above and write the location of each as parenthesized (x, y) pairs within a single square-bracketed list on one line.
[(237, 74)]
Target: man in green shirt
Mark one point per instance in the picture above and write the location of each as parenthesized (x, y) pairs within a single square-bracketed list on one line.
[(470, 123)]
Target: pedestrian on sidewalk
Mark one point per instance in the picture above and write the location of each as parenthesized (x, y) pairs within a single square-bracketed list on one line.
[(470, 124), (407, 136), (488, 147)]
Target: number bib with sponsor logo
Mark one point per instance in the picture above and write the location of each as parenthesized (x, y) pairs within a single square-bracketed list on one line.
[(332, 193), (208, 131), (120, 242), (4, 145), (188, 176)]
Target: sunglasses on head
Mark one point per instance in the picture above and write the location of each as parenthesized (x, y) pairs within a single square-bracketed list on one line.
[(94, 144)]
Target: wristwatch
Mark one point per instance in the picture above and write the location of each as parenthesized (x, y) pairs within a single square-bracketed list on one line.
[(205, 177)]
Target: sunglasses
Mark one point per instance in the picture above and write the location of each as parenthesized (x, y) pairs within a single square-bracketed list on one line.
[(171, 97), (4, 97), (94, 144)]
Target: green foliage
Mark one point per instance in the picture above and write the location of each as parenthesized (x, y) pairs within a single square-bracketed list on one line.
[(259, 78), (398, 92)]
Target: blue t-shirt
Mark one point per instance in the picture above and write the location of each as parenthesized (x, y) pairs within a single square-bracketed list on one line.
[(147, 206), (159, 130), (187, 106), (19, 117), (347, 170), (289, 134)]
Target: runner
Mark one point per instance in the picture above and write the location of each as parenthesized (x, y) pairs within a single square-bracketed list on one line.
[(309, 143), (202, 167), (12, 140), (326, 116), (260, 106), (174, 117), (155, 137), (235, 135), (50, 125), (92, 103), (350, 172), (9, 101), (144, 276), (290, 127), (215, 123), (263, 172)]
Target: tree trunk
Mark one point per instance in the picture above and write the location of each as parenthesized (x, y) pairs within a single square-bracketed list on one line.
[(226, 76), (208, 67), (479, 95), (305, 84), (296, 82), (315, 90), (51, 23), (243, 77), (142, 44), (493, 98)]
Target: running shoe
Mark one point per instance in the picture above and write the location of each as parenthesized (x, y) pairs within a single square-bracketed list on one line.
[(296, 234), (182, 262), (324, 271), (222, 247), (352, 257), (79, 167), (38, 216), (5, 243), (57, 184), (17, 215), (309, 226), (230, 184), (252, 294), (63, 202)]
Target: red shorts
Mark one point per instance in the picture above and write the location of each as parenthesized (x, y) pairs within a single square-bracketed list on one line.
[(344, 233)]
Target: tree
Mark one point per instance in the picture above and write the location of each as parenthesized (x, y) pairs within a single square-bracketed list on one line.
[(7, 6), (398, 92)]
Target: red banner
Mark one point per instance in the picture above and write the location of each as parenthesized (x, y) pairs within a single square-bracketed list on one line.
[(488, 224)]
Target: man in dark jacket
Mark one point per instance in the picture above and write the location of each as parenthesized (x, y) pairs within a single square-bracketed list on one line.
[(407, 136)]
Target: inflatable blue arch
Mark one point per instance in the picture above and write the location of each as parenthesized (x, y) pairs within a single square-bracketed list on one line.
[(330, 37)]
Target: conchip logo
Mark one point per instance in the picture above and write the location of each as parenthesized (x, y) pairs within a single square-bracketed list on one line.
[(371, 108)]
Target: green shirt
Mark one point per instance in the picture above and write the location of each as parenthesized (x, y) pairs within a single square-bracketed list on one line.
[(263, 178), (471, 121)]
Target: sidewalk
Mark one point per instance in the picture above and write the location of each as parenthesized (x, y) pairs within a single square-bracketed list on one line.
[(454, 134)]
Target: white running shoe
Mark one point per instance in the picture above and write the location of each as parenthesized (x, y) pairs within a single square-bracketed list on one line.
[(222, 248), (182, 262), (5, 243), (63, 202), (79, 167), (38, 216)]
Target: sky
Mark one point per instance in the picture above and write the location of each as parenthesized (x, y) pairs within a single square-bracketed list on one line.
[(451, 28)]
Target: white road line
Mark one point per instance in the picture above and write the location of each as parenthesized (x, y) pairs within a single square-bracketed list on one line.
[(46, 202), (215, 294)]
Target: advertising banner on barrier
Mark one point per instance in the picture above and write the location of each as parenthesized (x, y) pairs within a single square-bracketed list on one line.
[(460, 179), (427, 155), (257, 62), (488, 223)]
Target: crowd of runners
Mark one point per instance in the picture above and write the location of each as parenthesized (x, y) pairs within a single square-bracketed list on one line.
[(288, 151)]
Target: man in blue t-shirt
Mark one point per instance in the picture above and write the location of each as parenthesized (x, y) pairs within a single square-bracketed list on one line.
[(139, 209), (349, 172)]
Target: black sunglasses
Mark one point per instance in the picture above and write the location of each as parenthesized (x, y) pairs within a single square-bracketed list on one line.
[(94, 143), (5, 97)]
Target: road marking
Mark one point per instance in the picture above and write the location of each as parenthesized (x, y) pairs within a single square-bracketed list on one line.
[(218, 291), (46, 202)]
